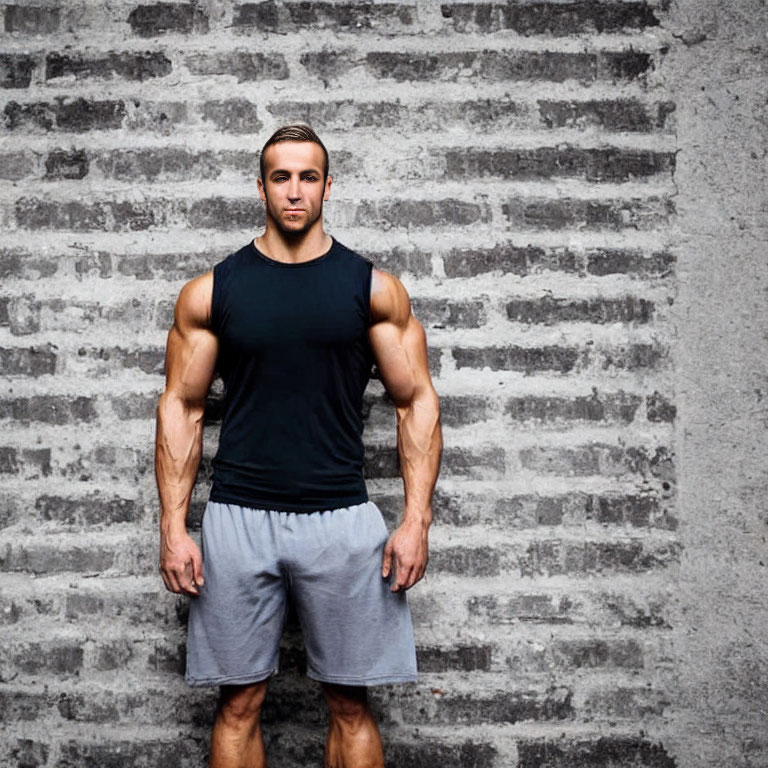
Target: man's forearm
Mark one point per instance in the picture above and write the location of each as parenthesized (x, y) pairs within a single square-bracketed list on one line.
[(178, 449), (419, 444)]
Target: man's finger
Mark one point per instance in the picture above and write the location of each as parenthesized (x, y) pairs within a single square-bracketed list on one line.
[(386, 560), (197, 571)]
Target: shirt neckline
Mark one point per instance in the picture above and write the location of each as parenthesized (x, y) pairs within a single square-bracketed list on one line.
[(290, 264)]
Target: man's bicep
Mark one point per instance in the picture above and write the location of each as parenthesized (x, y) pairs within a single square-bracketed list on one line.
[(192, 349), (190, 362), (401, 357)]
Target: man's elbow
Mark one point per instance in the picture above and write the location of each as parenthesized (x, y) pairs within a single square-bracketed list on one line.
[(174, 404)]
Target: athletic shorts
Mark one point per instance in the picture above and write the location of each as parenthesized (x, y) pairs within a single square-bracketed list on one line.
[(356, 631)]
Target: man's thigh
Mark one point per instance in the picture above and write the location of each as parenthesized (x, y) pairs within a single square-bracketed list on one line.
[(236, 622)]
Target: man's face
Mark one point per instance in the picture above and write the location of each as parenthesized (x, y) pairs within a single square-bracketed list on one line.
[(293, 188)]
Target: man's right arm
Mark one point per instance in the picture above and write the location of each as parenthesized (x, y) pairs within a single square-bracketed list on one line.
[(189, 367)]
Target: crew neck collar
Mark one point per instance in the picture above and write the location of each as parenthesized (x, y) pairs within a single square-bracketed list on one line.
[(292, 264)]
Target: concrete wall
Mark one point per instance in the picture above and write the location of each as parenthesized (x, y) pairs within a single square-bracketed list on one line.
[(573, 194)]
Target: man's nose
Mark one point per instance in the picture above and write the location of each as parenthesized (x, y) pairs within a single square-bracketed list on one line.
[(294, 189)]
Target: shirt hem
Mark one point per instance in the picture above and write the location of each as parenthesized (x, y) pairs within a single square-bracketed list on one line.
[(271, 505)]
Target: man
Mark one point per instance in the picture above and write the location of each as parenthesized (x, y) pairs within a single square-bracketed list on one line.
[(293, 321)]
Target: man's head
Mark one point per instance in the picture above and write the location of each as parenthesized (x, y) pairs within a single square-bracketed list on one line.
[(297, 132), (294, 180)]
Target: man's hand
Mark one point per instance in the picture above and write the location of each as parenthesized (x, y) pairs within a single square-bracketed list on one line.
[(181, 564), (406, 555)]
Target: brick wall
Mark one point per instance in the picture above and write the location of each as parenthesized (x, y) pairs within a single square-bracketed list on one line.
[(515, 166)]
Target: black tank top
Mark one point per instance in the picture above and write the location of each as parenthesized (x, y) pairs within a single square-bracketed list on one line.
[(295, 359)]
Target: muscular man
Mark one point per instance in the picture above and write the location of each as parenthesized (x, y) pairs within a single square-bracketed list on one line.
[(293, 321)]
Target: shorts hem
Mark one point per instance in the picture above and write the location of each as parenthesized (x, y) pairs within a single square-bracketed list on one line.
[(365, 680), (256, 677)]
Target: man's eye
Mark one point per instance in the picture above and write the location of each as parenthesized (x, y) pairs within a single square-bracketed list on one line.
[(310, 178)]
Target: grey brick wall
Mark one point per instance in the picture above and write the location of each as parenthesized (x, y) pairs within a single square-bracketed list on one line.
[(573, 194)]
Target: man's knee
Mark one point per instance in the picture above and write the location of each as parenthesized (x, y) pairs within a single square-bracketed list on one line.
[(347, 704), (240, 705)]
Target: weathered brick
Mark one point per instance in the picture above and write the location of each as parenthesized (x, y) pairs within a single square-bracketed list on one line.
[(26, 264), (51, 558), (660, 408), (135, 407), (466, 560), (628, 357), (28, 361), (598, 458), (399, 261), (468, 658), (31, 20), (27, 753), (641, 612), (24, 315), (491, 66), (612, 261), (483, 115), (610, 164), (594, 652), (91, 262), (429, 753), (128, 65), (66, 164), (226, 213), (635, 213), (639, 511), (442, 313), (30, 463), (528, 359), (271, 16), (156, 19), (16, 70), (545, 609), (508, 258), (147, 359), (173, 753), (35, 213), (88, 510), (168, 164), (480, 464), (60, 657), (397, 214), (625, 702), (17, 165), (613, 115), (65, 114), (22, 705), (50, 409), (550, 18), (620, 407), (604, 752), (238, 116), (459, 410), (549, 310), (555, 557), (166, 266), (506, 707), (245, 65)]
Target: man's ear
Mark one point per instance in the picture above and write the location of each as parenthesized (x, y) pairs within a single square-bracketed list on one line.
[(327, 192), (262, 192)]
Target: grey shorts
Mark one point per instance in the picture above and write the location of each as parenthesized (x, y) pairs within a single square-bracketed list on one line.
[(356, 631)]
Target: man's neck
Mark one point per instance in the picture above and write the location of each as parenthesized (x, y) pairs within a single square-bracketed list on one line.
[(277, 246)]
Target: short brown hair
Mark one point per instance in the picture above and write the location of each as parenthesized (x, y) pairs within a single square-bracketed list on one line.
[(296, 132)]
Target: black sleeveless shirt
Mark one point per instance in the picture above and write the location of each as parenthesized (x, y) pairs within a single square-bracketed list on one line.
[(295, 359)]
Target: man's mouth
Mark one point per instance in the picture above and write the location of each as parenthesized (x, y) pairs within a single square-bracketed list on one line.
[(294, 210)]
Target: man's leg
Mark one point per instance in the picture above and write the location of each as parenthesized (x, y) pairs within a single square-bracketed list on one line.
[(236, 740), (353, 736)]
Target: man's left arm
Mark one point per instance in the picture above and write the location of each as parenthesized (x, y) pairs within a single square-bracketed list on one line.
[(399, 346)]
